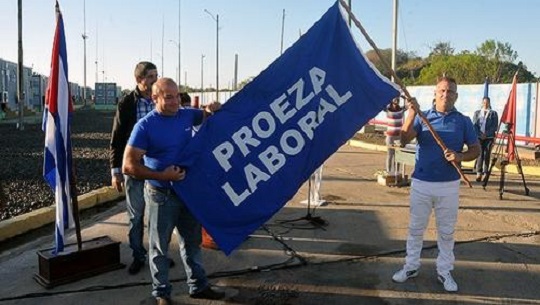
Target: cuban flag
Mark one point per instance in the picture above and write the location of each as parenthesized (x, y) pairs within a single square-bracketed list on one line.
[(57, 159), (253, 155)]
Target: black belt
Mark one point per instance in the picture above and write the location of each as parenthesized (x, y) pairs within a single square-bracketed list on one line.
[(163, 190)]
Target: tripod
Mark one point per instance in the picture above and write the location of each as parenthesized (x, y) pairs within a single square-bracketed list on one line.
[(507, 135), (314, 221)]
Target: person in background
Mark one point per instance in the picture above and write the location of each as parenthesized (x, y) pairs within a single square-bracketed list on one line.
[(130, 109), (185, 100), (151, 154), (485, 122), (394, 119), (435, 182)]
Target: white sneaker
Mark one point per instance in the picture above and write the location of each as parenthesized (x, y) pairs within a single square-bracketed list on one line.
[(403, 275), (448, 281)]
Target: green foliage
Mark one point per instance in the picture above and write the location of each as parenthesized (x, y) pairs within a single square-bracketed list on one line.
[(492, 59)]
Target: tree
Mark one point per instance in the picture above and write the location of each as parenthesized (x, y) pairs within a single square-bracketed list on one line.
[(499, 54), (496, 50), (466, 68), (243, 83), (441, 48), (402, 58)]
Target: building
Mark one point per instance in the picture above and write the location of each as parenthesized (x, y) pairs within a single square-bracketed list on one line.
[(106, 93)]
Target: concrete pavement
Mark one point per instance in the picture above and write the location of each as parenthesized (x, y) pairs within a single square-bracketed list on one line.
[(350, 260)]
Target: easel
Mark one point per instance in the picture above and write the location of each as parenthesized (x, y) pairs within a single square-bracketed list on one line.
[(508, 135)]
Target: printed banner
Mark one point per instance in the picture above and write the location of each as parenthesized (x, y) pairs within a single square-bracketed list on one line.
[(252, 156)]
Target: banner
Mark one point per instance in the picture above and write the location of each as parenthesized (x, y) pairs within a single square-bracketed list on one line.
[(252, 156), (57, 162)]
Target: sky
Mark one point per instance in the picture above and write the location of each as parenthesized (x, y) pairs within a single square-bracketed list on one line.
[(122, 33)]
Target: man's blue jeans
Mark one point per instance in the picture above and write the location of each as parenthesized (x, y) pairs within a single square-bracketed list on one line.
[(166, 212), (135, 208)]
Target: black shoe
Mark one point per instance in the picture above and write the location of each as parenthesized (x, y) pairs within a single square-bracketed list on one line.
[(478, 178), (208, 293), (135, 267), (171, 263)]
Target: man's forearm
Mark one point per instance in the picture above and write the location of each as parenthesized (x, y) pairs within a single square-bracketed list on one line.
[(140, 171), (472, 153), (407, 130)]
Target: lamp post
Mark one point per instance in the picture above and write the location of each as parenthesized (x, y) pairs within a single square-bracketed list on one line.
[(216, 19), (202, 79)]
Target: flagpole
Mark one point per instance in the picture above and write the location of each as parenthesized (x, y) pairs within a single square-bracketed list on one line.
[(75, 207), (398, 81)]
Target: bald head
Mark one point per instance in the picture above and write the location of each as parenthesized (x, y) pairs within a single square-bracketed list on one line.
[(165, 95)]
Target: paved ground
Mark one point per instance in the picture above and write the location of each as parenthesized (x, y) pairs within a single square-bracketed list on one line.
[(349, 261)]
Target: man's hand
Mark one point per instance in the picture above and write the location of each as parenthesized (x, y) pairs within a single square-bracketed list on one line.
[(117, 182), (412, 104), (213, 107), (173, 173), (452, 156)]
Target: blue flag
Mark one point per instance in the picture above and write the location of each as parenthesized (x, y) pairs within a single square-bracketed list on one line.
[(250, 158), (57, 158)]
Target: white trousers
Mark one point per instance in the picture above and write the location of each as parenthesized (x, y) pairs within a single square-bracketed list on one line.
[(443, 197)]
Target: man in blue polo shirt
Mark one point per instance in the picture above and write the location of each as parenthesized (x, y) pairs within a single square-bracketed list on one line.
[(435, 182), (159, 138)]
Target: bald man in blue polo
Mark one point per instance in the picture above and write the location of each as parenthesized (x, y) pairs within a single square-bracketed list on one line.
[(435, 182)]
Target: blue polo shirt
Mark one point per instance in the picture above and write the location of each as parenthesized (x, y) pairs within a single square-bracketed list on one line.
[(455, 129), (164, 138)]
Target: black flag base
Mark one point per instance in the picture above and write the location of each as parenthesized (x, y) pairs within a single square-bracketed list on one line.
[(96, 256)]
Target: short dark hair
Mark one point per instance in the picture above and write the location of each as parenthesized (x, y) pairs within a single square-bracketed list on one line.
[(447, 79), (142, 68), (185, 98), (487, 98)]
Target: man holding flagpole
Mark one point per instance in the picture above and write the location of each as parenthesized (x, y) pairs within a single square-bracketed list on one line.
[(435, 183)]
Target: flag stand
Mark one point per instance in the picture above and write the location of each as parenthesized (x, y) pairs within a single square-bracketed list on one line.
[(79, 260), (315, 221), (507, 135), (96, 256)]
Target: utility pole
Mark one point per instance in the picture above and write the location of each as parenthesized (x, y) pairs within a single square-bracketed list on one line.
[(202, 79), (179, 44), (84, 37), (162, 45), (394, 36), (20, 71), (216, 19), (235, 85), (97, 54), (282, 31)]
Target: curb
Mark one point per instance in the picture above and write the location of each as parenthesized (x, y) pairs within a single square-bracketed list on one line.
[(29, 221), (511, 168)]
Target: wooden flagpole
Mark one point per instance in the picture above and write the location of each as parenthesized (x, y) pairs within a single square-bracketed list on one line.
[(398, 81)]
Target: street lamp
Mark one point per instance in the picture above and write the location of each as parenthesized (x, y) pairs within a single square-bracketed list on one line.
[(202, 71), (178, 46), (216, 19)]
